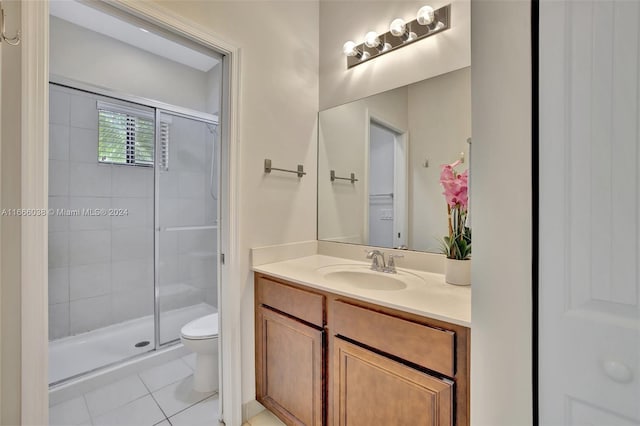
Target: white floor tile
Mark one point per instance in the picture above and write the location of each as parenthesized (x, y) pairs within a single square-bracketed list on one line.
[(165, 374), (115, 395), (178, 396), (141, 412), (203, 413), (190, 360), (163, 423), (72, 412)]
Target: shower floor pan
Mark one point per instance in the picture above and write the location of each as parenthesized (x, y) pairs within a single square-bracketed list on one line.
[(73, 356)]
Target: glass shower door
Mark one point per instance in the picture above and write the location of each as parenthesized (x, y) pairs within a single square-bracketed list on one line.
[(187, 176)]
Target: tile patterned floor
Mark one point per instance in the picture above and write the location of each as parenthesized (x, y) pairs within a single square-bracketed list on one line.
[(162, 395)]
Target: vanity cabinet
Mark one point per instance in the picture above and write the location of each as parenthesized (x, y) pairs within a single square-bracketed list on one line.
[(290, 352), (325, 359)]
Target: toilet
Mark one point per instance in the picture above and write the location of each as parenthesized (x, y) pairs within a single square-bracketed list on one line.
[(201, 336)]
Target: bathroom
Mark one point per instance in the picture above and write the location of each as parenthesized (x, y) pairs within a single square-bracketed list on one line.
[(277, 119)]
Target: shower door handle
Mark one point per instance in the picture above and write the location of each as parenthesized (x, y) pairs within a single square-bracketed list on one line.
[(188, 228)]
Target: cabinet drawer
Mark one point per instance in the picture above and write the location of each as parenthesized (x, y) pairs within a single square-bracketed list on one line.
[(301, 304), (426, 346)]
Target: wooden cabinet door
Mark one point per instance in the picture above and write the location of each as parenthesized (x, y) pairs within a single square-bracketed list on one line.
[(370, 389), (289, 368)]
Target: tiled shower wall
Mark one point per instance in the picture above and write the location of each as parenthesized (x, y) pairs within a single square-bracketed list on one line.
[(100, 267)]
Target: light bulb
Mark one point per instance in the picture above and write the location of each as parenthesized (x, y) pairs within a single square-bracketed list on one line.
[(371, 39), (349, 49), (426, 15), (398, 27)]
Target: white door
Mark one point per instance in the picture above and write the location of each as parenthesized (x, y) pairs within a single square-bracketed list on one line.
[(387, 185), (589, 336), (382, 143)]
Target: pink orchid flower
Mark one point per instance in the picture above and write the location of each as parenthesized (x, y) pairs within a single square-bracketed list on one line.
[(457, 245), (455, 185)]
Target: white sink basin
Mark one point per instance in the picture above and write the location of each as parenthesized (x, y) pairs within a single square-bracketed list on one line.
[(362, 277)]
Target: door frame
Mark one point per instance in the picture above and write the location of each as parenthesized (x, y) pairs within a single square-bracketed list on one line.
[(34, 189), (535, 213), (400, 185)]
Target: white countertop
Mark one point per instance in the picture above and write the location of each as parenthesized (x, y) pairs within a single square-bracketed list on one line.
[(433, 298)]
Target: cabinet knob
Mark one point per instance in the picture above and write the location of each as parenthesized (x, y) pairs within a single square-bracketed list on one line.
[(617, 371)]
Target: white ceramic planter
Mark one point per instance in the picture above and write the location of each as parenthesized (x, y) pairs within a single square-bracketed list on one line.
[(457, 272)]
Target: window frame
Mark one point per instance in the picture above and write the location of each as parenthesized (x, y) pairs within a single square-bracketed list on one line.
[(131, 117)]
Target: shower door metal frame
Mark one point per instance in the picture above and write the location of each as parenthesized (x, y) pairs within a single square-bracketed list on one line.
[(123, 96), (156, 217), (159, 108)]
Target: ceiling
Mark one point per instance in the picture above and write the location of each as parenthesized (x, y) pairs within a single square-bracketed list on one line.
[(100, 22)]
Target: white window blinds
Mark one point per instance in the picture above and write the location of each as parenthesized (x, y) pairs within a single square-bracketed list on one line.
[(164, 145), (125, 135)]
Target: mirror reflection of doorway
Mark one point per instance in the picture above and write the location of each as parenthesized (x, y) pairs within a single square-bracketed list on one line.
[(387, 186)]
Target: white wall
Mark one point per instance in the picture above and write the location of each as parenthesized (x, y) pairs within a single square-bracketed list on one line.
[(212, 90), (439, 125), (86, 56), (501, 378), (278, 110), (351, 20)]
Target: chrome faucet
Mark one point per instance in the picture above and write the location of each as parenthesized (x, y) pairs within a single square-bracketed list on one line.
[(391, 265), (378, 264), (376, 257)]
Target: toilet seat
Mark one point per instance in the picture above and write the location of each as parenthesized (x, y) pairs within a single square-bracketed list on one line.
[(205, 327)]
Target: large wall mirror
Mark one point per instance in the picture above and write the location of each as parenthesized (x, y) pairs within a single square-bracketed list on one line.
[(393, 143)]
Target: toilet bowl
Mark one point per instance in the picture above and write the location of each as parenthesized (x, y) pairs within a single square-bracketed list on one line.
[(201, 336)]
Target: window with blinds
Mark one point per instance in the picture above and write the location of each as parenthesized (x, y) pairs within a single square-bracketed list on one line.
[(125, 135)]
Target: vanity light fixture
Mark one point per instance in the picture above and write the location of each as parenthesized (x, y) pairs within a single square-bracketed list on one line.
[(372, 40), (426, 15), (350, 49), (398, 28), (429, 21)]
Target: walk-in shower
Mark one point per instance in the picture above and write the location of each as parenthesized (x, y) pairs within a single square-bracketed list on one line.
[(133, 227)]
